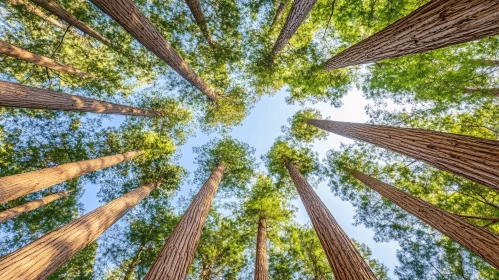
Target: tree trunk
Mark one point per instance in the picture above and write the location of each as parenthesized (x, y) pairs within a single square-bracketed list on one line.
[(296, 16), (20, 96), (473, 158), (18, 210), (64, 15), (493, 91), (128, 15), (196, 11), (37, 12), (476, 239), (24, 55), (14, 186), (135, 261), (178, 253), (279, 11), (437, 24), (41, 258), (261, 264), (344, 259)]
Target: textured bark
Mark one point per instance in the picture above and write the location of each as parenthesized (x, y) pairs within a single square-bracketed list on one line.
[(345, 261), (261, 264), (473, 158), (493, 91), (15, 95), (279, 11), (438, 24), (128, 15), (24, 55), (18, 210), (14, 186), (296, 16), (64, 15), (37, 12), (178, 253), (476, 239), (44, 256), (196, 11)]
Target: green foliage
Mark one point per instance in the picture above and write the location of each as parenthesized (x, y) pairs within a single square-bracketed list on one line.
[(301, 130)]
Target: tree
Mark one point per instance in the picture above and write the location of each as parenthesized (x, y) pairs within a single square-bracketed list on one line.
[(300, 130), (197, 12), (280, 9), (34, 10)]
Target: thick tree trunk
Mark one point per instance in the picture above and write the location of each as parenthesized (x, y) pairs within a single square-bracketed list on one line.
[(345, 261), (178, 253), (64, 15), (493, 91), (44, 256), (476, 239), (14, 186), (473, 158), (24, 55), (297, 14), (18, 210), (15, 95), (261, 264), (279, 11), (196, 11), (438, 24), (128, 15), (37, 12)]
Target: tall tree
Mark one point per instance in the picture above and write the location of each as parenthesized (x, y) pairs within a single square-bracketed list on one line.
[(37, 12), (282, 5), (197, 12)]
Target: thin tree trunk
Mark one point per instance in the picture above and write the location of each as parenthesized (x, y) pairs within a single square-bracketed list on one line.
[(64, 15), (493, 91), (128, 15), (279, 11), (345, 261), (196, 11), (178, 253), (41, 258), (476, 239), (437, 24), (20, 96), (37, 12), (473, 158), (14, 186), (24, 55), (261, 264), (299, 11), (18, 210), (135, 260)]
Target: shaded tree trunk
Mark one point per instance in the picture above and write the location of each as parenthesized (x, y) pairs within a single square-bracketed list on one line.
[(345, 261), (437, 24), (37, 12), (24, 55), (261, 264), (493, 91), (20, 96), (476, 239), (136, 259), (297, 14), (178, 253), (473, 158), (32, 205), (41, 258), (64, 15), (196, 11), (128, 15), (14, 186), (279, 11)]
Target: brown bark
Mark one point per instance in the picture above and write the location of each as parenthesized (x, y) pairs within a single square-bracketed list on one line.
[(297, 14), (37, 12), (437, 24), (178, 253), (345, 261), (196, 11), (473, 158), (261, 264), (279, 11), (18, 210), (64, 15), (493, 91), (24, 55), (20, 96), (128, 15), (476, 239), (44, 256), (14, 186)]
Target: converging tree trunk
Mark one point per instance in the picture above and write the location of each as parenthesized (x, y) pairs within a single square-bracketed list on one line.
[(16, 95), (493, 91), (345, 261), (261, 264), (41, 258), (18, 210), (37, 12), (196, 11), (136, 259), (476, 239), (437, 24), (24, 55), (297, 14), (282, 5), (64, 15), (473, 158), (14, 186), (178, 253), (128, 15)]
